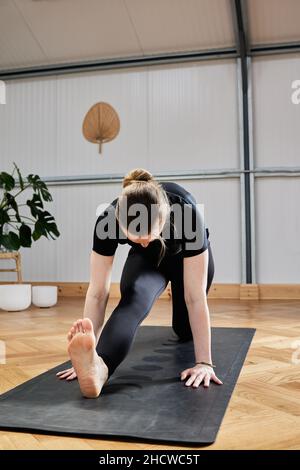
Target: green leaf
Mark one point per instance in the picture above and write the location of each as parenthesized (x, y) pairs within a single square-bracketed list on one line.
[(52, 228), (38, 230), (7, 181), (11, 241), (13, 205), (25, 235), (45, 226), (4, 217), (45, 194), (40, 187), (35, 204)]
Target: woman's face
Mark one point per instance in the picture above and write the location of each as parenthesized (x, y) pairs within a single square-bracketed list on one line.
[(145, 239)]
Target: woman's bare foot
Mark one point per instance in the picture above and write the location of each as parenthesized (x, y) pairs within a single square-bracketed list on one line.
[(91, 370)]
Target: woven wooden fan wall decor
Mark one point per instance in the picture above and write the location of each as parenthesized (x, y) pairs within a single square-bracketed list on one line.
[(101, 124)]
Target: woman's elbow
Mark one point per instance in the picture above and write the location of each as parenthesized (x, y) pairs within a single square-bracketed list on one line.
[(192, 298), (97, 294)]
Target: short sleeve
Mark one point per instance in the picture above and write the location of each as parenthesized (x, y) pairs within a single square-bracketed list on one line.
[(195, 235), (105, 241)]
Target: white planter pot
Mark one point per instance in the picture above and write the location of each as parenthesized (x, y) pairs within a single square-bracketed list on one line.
[(15, 297), (44, 296)]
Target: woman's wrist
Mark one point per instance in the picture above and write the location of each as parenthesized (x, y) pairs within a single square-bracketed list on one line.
[(210, 364)]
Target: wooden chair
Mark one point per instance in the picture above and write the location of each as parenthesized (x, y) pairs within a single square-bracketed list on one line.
[(15, 255)]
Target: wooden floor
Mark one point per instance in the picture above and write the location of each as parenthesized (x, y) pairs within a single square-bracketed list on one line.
[(265, 407)]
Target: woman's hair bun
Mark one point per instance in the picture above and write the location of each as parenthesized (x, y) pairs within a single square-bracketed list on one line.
[(137, 175)]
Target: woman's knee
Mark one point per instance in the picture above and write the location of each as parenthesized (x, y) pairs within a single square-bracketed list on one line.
[(136, 300)]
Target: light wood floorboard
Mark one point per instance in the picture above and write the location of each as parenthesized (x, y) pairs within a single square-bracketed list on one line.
[(264, 411)]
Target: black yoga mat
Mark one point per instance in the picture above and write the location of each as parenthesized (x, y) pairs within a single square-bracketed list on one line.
[(143, 400)]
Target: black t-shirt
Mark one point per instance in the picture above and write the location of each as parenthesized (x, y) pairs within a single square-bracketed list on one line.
[(187, 234)]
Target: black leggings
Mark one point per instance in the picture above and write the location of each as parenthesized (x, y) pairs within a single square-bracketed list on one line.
[(141, 284)]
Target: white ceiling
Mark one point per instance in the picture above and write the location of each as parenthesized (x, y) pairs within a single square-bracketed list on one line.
[(43, 32), (273, 21)]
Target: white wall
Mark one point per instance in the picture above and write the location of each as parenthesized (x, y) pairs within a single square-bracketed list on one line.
[(278, 230), (276, 118), (277, 143), (180, 118)]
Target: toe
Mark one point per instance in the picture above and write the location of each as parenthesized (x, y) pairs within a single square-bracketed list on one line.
[(71, 333), (81, 328), (77, 327), (87, 325)]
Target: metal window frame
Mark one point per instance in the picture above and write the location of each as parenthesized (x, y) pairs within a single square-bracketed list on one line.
[(235, 173), (118, 63)]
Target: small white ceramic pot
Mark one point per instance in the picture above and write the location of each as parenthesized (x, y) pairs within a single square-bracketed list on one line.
[(44, 296), (15, 297)]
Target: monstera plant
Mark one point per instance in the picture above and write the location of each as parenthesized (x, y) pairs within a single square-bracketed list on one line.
[(17, 229)]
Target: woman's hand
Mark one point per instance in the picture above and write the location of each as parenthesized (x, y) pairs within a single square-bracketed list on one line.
[(200, 373), (68, 374)]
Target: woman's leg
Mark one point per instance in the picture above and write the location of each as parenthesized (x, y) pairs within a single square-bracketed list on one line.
[(180, 319), (141, 283)]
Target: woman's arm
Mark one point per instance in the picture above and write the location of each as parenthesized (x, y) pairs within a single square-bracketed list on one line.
[(195, 279), (98, 290), (195, 282)]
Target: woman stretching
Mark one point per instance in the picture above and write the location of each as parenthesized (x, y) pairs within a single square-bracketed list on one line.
[(169, 242)]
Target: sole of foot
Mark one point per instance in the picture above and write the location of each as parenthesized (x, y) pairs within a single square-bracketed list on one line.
[(91, 370)]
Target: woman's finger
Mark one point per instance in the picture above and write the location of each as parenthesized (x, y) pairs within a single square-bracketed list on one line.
[(206, 380), (184, 374), (72, 376), (191, 379), (64, 376), (198, 380), (215, 379), (63, 372), (67, 373)]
